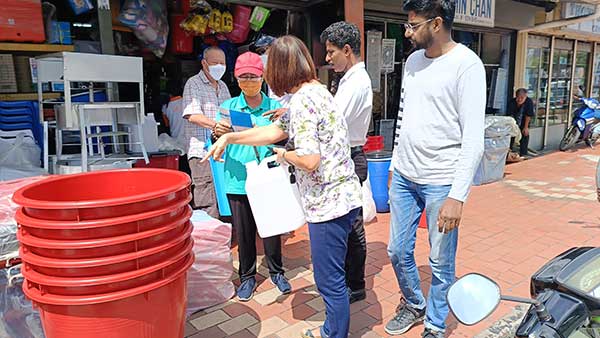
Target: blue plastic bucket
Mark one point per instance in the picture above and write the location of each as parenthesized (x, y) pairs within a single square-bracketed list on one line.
[(379, 166)]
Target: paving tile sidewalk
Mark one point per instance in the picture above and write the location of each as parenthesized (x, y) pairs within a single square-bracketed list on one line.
[(543, 207)]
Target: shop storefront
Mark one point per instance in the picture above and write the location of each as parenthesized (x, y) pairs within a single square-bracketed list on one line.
[(487, 27), (559, 67)]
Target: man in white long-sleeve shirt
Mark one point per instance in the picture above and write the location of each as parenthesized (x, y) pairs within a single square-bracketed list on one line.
[(438, 147), (354, 98)]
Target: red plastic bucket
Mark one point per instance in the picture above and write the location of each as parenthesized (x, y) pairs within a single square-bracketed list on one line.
[(102, 194), (102, 247), (101, 228), (84, 286), (150, 311), (88, 267)]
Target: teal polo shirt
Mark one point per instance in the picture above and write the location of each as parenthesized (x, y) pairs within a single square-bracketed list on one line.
[(238, 155)]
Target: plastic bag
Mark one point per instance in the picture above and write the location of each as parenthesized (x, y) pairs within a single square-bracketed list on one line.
[(18, 318), (499, 126), (259, 17), (369, 211), (491, 167), (167, 143), (19, 152), (81, 6), (209, 278), (148, 20)]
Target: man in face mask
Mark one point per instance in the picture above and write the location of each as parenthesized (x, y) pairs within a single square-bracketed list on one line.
[(202, 95), (248, 72)]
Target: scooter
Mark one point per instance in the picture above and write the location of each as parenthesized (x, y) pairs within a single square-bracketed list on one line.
[(565, 297), (585, 125)]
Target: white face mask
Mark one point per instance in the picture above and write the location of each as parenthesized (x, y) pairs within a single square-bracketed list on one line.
[(264, 58), (217, 71)]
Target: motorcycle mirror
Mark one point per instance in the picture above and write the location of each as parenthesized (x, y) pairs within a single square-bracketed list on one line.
[(472, 298)]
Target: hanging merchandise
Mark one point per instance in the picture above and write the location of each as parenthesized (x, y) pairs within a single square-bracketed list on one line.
[(148, 20), (214, 21), (259, 17), (226, 22), (81, 6), (181, 41), (198, 17), (241, 24)]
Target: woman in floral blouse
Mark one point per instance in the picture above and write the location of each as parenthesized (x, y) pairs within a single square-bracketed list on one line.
[(330, 190)]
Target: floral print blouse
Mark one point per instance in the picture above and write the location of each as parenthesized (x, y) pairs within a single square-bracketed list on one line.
[(315, 126)]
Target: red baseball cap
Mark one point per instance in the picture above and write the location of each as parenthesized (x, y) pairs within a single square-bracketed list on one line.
[(248, 63)]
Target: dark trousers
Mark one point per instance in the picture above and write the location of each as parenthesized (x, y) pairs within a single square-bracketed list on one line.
[(245, 228), (328, 245), (523, 146), (356, 255)]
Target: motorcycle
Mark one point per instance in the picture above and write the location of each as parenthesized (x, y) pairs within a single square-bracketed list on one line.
[(565, 297), (585, 125)]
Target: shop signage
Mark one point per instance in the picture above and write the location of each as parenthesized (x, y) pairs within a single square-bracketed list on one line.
[(573, 10), (475, 12)]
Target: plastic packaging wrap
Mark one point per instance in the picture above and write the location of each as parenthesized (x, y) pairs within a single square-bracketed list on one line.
[(148, 20), (167, 143), (491, 167), (209, 278), (20, 152), (18, 318), (8, 226), (499, 126)]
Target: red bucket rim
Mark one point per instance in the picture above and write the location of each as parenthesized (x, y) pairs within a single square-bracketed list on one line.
[(20, 199), (61, 263), (51, 299), (32, 222), (49, 280), (37, 242)]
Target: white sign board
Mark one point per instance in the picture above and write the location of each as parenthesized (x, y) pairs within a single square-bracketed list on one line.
[(475, 12), (374, 59), (573, 10), (388, 52)]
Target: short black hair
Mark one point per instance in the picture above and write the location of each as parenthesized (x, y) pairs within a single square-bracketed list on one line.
[(521, 91), (343, 33), (430, 9)]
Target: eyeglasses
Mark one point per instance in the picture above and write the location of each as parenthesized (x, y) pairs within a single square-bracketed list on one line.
[(292, 171), (250, 79), (413, 28)]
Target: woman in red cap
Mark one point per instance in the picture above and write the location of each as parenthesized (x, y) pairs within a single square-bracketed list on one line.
[(248, 72)]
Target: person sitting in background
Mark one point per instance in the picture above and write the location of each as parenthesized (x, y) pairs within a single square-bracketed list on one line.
[(521, 109), (172, 117), (248, 72), (172, 114)]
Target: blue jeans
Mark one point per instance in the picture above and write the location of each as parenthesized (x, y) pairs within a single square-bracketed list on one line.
[(328, 246), (407, 201)]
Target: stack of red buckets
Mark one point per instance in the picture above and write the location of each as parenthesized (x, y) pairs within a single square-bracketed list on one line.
[(106, 254)]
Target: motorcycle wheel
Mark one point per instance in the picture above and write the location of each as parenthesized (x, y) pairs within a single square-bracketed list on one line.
[(569, 139)]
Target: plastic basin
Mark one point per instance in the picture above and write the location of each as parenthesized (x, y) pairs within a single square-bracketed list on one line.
[(101, 228), (153, 310), (102, 247), (91, 267), (84, 286), (102, 194)]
